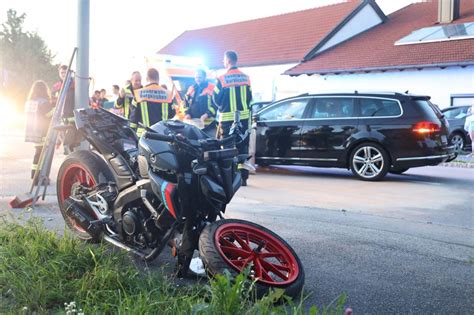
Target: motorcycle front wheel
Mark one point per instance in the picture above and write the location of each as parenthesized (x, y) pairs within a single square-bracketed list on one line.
[(235, 245)]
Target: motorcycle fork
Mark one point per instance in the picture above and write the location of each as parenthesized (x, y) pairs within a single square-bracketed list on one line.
[(189, 199)]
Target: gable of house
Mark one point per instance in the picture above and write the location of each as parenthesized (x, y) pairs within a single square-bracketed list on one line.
[(379, 48), (280, 39)]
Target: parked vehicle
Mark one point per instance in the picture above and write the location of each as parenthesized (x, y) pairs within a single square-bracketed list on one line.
[(456, 116), (257, 106), (371, 134), (170, 187)]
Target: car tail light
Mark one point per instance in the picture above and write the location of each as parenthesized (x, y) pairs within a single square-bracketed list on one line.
[(426, 127)]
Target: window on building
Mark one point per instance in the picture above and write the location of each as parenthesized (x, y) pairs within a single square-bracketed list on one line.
[(439, 33), (332, 107), (288, 110), (372, 107), (462, 99)]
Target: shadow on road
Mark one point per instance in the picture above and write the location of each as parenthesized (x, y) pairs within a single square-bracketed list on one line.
[(342, 174)]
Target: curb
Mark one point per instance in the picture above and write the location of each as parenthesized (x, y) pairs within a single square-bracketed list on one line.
[(458, 164)]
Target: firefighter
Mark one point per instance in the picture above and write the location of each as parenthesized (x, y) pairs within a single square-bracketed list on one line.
[(39, 111), (125, 99), (71, 137), (233, 93), (62, 71), (153, 103), (198, 100)]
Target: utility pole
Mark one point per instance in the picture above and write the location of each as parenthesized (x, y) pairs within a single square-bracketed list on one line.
[(82, 63)]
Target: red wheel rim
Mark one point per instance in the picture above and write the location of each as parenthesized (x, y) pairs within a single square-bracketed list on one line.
[(72, 175), (243, 245)]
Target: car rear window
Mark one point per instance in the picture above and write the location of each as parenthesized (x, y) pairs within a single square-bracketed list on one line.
[(374, 107), (428, 110)]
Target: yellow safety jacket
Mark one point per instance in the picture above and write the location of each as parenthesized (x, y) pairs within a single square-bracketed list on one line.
[(125, 102), (153, 104), (233, 93)]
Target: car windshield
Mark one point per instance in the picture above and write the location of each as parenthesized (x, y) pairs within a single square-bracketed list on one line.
[(456, 113)]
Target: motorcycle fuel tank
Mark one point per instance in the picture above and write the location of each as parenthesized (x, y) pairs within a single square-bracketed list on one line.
[(161, 154)]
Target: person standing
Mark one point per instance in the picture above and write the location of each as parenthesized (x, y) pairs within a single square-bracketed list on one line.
[(68, 110), (126, 95), (94, 100), (102, 98), (198, 100), (233, 93), (153, 103), (71, 137), (115, 92), (469, 127), (39, 111), (56, 88)]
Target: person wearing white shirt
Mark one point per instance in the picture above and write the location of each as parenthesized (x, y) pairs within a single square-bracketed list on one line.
[(469, 126)]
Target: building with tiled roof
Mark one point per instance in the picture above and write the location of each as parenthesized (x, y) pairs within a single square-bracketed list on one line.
[(349, 46), (377, 49), (269, 46), (413, 50)]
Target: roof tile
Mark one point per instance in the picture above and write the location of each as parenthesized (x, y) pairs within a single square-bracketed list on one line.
[(375, 49), (279, 39)]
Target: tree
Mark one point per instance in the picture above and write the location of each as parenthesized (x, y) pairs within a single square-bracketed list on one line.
[(24, 56)]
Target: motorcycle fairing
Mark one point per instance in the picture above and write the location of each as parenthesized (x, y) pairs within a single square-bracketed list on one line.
[(167, 193)]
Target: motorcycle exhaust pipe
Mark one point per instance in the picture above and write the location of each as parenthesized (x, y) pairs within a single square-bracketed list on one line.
[(81, 216), (125, 247)]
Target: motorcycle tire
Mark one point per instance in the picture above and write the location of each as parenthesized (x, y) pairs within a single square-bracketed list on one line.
[(85, 168), (234, 244)]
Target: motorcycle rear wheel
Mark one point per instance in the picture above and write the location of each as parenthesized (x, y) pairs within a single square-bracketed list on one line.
[(234, 245), (80, 168)]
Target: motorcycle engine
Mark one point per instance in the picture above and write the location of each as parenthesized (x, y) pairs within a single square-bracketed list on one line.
[(139, 228), (131, 223)]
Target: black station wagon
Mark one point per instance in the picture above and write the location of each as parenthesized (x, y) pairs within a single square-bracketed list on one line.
[(371, 134)]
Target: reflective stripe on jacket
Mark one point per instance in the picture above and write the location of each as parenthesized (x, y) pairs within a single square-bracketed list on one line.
[(233, 93), (155, 104), (125, 102)]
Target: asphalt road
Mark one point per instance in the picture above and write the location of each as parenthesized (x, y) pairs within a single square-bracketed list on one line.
[(401, 246), (404, 245)]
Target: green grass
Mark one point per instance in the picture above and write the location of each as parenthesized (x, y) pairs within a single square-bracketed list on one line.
[(43, 273)]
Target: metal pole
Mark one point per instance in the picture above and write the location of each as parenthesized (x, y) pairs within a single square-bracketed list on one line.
[(82, 64)]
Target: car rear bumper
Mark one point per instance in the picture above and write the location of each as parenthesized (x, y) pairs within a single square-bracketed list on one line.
[(448, 155)]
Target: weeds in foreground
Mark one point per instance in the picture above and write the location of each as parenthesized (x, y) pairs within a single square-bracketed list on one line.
[(43, 273)]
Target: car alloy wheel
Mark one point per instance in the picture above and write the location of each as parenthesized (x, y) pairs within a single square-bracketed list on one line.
[(457, 141), (369, 162)]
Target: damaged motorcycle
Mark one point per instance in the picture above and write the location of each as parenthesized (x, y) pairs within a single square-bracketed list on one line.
[(169, 188)]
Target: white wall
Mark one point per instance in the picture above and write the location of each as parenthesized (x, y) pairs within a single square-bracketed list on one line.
[(363, 20), (440, 84), (268, 84), (263, 79)]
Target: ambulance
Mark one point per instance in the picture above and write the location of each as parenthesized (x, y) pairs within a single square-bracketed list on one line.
[(177, 74)]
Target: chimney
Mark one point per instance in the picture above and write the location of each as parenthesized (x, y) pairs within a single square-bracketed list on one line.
[(448, 10)]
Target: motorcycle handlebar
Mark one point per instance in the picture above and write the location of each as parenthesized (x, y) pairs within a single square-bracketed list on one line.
[(157, 136), (196, 148)]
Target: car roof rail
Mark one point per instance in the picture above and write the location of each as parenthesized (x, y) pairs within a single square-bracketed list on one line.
[(304, 94)]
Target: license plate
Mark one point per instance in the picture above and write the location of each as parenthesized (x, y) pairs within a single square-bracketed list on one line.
[(444, 140)]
